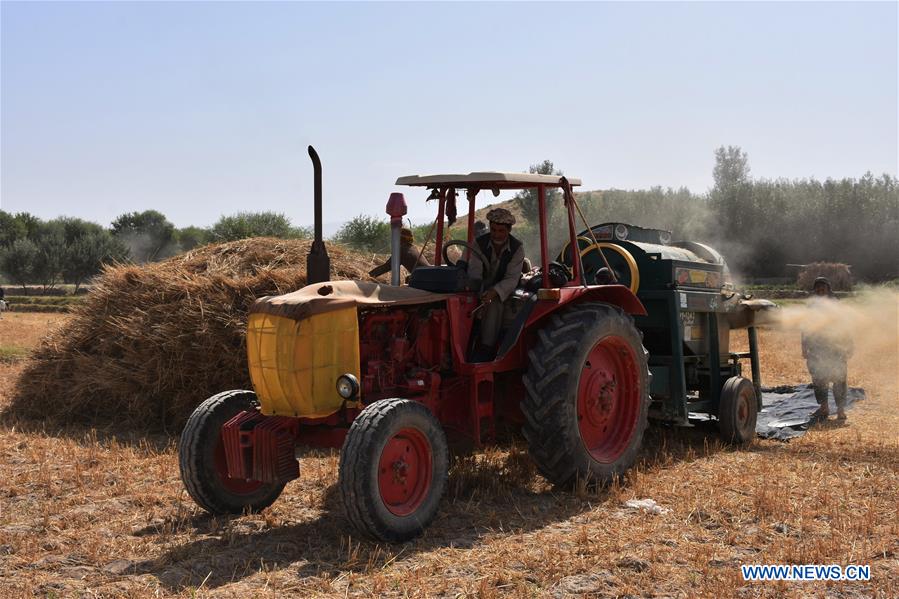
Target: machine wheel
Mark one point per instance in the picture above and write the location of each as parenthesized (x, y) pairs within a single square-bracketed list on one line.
[(587, 394), (201, 457), (393, 469), (737, 411)]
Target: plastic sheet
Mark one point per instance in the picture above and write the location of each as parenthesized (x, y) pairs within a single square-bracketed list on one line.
[(787, 410)]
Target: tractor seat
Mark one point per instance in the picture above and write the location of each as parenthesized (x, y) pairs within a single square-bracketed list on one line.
[(442, 279)]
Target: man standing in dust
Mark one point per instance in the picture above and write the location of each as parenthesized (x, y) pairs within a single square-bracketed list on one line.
[(826, 355)]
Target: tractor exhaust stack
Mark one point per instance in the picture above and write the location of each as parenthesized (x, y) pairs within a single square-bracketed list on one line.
[(318, 265), (396, 208)]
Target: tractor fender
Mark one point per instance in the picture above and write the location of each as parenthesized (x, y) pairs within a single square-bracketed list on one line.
[(614, 295), (617, 295)]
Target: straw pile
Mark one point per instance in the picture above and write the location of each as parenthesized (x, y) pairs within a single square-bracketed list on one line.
[(151, 342), (837, 273)]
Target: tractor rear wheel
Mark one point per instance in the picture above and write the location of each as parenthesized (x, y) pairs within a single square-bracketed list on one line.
[(737, 411), (201, 457), (393, 469), (587, 397)]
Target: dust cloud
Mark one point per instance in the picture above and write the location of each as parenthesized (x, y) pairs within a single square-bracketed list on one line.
[(143, 248), (869, 321)]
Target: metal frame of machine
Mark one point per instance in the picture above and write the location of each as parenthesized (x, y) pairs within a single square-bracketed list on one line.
[(686, 284)]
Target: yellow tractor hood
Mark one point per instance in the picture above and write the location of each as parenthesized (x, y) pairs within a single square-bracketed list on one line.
[(298, 344)]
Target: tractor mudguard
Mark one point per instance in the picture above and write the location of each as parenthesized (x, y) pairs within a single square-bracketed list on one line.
[(617, 295)]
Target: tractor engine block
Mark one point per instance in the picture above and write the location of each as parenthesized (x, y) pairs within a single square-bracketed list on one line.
[(402, 351)]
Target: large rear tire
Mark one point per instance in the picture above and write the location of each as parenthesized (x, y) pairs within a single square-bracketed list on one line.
[(201, 457), (393, 470), (587, 397), (738, 411)]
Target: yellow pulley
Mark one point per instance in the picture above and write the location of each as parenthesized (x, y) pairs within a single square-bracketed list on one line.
[(626, 255)]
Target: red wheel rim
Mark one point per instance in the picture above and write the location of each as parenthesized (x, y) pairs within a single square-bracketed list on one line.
[(742, 411), (232, 485), (608, 399), (743, 408), (405, 471)]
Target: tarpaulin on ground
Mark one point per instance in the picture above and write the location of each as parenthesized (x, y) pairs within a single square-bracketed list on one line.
[(787, 410)]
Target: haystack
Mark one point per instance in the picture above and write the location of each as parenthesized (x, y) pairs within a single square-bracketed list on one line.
[(836, 272), (153, 341)]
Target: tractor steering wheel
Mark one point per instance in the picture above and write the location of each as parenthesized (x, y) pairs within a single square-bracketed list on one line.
[(475, 251)]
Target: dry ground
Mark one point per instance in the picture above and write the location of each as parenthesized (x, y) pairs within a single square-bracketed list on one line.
[(87, 513)]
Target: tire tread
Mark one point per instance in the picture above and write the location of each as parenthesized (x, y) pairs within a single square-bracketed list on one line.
[(552, 374)]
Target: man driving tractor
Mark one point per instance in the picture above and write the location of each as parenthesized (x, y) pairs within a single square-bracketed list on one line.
[(505, 255)]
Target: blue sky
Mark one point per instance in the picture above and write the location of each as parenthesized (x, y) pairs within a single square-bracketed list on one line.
[(204, 109)]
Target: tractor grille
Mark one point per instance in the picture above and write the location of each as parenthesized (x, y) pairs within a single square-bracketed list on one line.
[(261, 447)]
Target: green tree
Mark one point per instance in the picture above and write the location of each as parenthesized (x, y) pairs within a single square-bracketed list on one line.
[(731, 168), (301, 232), (190, 237), (252, 224), (11, 229), (527, 201), (86, 256), (75, 228), (31, 223), (365, 233), (148, 235), (676, 210), (17, 261), (51, 251), (735, 213)]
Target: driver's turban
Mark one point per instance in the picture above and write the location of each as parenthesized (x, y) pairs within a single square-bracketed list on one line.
[(501, 216)]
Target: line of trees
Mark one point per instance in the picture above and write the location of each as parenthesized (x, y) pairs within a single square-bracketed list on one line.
[(72, 250), (760, 225), (47, 252)]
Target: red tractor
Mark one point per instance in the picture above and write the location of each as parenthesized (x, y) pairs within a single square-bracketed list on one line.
[(386, 373)]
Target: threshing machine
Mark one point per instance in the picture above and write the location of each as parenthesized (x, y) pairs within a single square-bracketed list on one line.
[(691, 308)]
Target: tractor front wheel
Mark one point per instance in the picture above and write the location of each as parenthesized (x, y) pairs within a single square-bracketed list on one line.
[(737, 411), (393, 469), (201, 457), (587, 394)]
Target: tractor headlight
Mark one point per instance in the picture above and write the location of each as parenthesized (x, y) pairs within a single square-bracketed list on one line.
[(347, 386), (621, 232)]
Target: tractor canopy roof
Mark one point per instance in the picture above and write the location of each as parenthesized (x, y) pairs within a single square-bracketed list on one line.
[(485, 180)]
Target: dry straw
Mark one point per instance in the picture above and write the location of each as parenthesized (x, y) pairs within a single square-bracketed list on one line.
[(837, 273), (153, 341)]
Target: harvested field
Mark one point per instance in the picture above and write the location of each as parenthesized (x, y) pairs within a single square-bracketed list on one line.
[(94, 513), (150, 342), (20, 332), (40, 303)]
